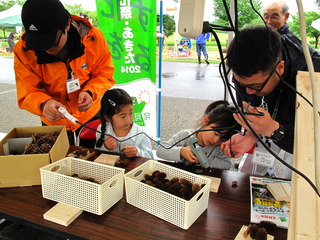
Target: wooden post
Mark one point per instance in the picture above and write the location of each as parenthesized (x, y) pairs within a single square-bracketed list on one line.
[(305, 203)]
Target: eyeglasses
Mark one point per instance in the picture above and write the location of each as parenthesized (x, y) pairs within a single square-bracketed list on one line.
[(57, 43), (255, 86), (272, 17)]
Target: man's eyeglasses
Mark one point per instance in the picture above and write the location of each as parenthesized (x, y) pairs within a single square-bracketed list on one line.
[(272, 18), (58, 41), (255, 86)]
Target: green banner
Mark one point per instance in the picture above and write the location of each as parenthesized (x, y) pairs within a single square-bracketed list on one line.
[(129, 27)]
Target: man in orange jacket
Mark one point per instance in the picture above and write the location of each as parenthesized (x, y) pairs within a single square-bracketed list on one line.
[(61, 60)]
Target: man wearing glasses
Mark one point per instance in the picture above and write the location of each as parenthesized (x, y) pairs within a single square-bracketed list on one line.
[(276, 14), (263, 76), (60, 60)]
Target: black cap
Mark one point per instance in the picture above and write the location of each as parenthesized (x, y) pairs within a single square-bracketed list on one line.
[(42, 19)]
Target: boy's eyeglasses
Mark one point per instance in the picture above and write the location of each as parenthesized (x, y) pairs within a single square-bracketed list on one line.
[(255, 86)]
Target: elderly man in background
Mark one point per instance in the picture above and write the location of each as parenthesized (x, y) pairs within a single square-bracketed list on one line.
[(276, 14)]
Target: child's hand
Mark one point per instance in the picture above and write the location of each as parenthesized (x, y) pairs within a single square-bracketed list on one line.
[(130, 151), (188, 155), (110, 143)]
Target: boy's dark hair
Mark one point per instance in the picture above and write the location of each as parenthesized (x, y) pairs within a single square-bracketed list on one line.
[(220, 113), (111, 104), (254, 49)]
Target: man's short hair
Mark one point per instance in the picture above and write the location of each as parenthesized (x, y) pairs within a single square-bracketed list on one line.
[(253, 50)]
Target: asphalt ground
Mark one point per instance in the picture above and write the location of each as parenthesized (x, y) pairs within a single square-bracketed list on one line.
[(187, 89)]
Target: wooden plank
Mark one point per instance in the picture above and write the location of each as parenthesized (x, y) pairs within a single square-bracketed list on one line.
[(107, 159), (215, 183), (305, 203), (287, 189), (62, 214), (278, 192)]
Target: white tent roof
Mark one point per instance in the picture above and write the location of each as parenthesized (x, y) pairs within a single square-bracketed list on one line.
[(14, 10), (316, 24), (11, 17)]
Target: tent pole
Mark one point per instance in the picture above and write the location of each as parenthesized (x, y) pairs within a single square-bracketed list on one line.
[(160, 71)]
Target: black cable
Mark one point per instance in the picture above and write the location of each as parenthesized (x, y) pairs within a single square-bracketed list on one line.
[(118, 140), (224, 76), (295, 90)]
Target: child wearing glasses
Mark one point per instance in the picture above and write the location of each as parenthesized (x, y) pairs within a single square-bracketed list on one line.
[(217, 125), (118, 133)]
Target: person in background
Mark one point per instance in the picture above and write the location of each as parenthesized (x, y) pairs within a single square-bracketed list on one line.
[(262, 74), (10, 40), (186, 43), (116, 124), (217, 115), (83, 15), (276, 14), (201, 42), (61, 61)]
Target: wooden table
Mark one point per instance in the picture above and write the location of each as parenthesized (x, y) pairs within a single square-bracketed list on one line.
[(227, 211)]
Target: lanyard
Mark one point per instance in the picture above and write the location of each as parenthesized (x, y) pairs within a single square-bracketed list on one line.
[(264, 105)]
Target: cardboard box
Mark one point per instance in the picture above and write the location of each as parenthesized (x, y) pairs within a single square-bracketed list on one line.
[(23, 170)]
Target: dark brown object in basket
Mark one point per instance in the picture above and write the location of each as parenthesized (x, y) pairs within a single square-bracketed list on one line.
[(155, 173), (174, 188), (165, 186), (185, 193), (157, 182), (162, 175), (195, 189), (173, 180), (41, 143), (148, 177), (186, 183), (150, 183)]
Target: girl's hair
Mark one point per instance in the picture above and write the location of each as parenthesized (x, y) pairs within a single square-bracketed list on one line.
[(220, 114), (111, 103)]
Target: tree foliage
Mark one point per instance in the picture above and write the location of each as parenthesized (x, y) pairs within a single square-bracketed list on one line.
[(311, 31), (6, 4), (73, 9), (169, 25), (76, 9), (246, 15)]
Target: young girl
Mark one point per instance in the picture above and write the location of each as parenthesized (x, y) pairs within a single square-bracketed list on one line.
[(216, 115), (116, 120)]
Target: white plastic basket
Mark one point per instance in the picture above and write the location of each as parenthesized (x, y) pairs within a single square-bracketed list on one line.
[(58, 184), (166, 206)]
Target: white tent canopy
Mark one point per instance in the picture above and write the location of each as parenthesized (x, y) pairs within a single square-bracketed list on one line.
[(14, 10), (316, 24), (11, 17)]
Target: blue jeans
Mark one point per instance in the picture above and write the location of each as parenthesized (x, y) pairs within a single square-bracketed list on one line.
[(201, 47)]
